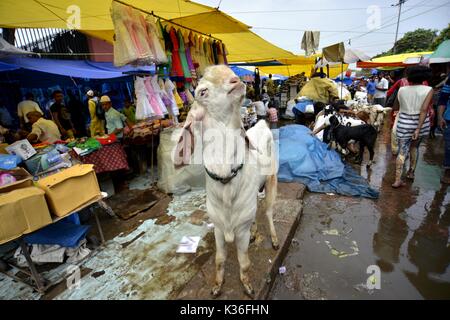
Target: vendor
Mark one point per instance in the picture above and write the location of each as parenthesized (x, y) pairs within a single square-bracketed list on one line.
[(42, 130), (319, 89), (61, 115), (114, 119), (129, 111), (97, 126), (26, 106)]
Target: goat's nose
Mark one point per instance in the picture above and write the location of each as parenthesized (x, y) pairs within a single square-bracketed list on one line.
[(234, 80)]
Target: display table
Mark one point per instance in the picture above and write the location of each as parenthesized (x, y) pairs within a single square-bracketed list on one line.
[(41, 284), (108, 158)]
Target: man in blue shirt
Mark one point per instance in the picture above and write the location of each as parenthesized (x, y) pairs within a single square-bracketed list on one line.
[(444, 123), (115, 121), (370, 89)]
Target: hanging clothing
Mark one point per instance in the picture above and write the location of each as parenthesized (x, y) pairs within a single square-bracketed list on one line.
[(154, 41), (153, 98), (159, 93), (143, 108), (190, 62), (219, 52), (177, 69), (130, 44), (182, 53), (310, 42), (170, 88), (225, 53), (334, 53), (214, 51)]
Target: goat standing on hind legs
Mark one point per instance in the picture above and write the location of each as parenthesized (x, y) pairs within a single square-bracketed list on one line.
[(237, 163)]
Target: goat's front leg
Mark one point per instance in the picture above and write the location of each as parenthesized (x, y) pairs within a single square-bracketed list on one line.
[(221, 255), (242, 242)]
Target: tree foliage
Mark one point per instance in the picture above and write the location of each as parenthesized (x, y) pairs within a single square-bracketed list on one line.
[(419, 40)]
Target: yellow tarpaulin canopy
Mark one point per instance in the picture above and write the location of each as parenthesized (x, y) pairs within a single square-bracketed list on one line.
[(401, 57), (291, 70), (397, 60), (242, 44)]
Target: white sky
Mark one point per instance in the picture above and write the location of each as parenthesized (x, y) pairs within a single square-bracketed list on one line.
[(334, 19)]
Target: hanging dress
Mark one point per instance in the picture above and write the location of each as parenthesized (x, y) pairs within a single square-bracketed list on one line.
[(182, 53), (225, 53), (158, 93), (143, 107), (153, 98), (189, 60), (219, 52), (177, 69), (154, 41), (214, 50), (170, 88), (125, 50)]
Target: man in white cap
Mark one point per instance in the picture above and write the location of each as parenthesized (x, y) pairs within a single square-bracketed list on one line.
[(114, 119), (97, 126)]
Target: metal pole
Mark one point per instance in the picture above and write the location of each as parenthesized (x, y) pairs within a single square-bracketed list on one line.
[(399, 4)]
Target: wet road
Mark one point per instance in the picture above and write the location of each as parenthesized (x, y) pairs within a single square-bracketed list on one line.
[(405, 233)]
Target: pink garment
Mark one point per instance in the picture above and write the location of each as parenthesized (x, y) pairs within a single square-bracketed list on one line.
[(158, 92), (131, 42), (152, 97), (144, 109)]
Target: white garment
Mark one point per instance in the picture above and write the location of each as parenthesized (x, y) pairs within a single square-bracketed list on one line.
[(411, 98), (382, 84), (169, 87), (143, 108), (261, 108), (27, 106), (46, 131)]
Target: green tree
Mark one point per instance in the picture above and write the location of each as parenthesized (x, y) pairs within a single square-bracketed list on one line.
[(417, 40), (443, 35), (413, 41)]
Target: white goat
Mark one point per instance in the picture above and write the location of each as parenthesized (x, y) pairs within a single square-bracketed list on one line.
[(235, 171)]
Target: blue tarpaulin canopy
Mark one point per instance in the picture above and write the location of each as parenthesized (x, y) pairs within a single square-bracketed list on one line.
[(72, 68)]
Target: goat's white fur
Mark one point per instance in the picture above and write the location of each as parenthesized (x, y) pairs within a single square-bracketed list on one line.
[(232, 206)]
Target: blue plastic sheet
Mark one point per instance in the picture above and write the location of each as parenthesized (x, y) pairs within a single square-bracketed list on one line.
[(9, 161), (66, 233), (71, 68), (305, 159)]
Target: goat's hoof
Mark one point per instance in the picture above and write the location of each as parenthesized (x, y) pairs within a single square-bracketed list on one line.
[(216, 291), (248, 290), (275, 245)]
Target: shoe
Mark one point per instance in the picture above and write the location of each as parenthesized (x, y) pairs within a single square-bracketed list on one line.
[(410, 175)]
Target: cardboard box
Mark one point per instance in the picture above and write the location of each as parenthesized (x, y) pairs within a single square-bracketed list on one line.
[(22, 211), (22, 148), (24, 180), (70, 189)]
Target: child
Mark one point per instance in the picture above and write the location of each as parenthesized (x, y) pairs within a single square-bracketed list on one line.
[(272, 117)]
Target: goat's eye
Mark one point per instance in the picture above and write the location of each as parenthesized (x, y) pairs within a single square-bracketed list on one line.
[(203, 92)]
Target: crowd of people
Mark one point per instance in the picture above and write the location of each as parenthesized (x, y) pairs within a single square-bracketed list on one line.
[(68, 118), (418, 110)]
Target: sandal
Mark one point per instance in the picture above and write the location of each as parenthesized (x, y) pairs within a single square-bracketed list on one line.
[(410, 175)]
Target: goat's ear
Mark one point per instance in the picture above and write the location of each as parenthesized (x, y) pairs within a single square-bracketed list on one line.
[(185, 146)]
